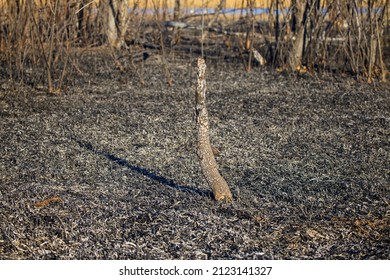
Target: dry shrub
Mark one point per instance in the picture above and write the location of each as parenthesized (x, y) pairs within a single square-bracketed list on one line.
[(345, 36), (37, 38)]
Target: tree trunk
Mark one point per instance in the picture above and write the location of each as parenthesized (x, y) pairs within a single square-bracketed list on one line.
[(295, 56), (373, 44), (204, 151), (81, 32), (117, 20), (176, 10)]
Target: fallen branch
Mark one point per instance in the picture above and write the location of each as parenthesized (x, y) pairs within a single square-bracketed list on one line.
[(261, 37), (183, 25)]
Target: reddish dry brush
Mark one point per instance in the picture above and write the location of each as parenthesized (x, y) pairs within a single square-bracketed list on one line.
[(48, 201)]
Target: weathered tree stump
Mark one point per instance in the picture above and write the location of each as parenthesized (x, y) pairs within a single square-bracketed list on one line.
[(204, 151)]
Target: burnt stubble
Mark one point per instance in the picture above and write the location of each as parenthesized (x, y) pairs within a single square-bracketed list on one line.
[(108, 169)]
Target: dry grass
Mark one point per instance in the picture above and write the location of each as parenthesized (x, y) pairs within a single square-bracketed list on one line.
[(186, 3), (205, 3)]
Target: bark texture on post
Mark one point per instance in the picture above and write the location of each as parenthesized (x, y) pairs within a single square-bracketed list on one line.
[(204, 151)]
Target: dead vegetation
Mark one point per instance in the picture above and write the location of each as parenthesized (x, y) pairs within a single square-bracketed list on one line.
[(38, 38), (113, 165), (107, 169)]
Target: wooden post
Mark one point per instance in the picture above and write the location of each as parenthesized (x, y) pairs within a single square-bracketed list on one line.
[(204, 151)]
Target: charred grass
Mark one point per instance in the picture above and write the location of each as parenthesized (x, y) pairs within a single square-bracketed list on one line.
[(107, 170)]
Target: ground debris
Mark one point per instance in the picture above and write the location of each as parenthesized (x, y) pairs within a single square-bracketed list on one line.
[(111, 165)]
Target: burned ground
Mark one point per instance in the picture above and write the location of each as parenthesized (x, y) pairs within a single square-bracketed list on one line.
[(108, 170)]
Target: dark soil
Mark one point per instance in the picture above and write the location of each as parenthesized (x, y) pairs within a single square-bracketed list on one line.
[(108, 170)]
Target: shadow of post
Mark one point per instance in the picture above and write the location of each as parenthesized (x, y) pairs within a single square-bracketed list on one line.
[(141, 170)]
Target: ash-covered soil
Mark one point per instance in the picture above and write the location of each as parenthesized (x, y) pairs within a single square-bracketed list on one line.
[(108, 170)]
